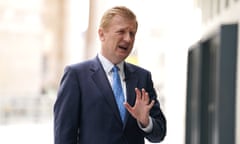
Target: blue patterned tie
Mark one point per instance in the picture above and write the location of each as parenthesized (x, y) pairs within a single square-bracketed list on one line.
[(118, 92)]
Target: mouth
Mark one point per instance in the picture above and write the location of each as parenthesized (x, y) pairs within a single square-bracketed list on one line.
[(123, 47)]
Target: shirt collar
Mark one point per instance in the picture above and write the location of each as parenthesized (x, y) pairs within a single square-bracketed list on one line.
[(107, 65)]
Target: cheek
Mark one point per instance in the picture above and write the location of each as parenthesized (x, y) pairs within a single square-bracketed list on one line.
[(114, 40)]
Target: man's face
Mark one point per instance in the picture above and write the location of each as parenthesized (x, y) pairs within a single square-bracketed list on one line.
[(118, 38)]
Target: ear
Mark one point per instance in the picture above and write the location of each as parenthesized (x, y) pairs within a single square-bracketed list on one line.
[(101, 34)]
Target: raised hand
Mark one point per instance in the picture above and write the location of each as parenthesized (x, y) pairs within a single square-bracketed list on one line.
[(141, 109)]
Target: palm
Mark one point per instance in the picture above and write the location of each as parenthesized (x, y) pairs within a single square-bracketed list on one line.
[(141, 109)]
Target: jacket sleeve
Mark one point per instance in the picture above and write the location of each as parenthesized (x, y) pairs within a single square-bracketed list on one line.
[(158, 132), (66, 109)]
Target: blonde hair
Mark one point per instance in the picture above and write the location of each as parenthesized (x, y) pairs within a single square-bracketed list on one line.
[(117, 10)]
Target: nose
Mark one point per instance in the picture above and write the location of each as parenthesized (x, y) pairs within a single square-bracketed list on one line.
[(127, 37)]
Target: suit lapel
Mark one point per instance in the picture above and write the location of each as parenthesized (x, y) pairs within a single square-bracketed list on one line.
[(131, 84), (100, 79)]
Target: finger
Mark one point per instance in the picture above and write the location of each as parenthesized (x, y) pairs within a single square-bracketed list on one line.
[(138, 93), (146, 97), (151, 104), (143, 94)]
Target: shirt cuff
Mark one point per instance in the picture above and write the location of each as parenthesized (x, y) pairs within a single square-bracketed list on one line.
[(148, 128)]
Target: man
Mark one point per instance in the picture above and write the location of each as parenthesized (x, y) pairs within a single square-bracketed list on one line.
[(86, 110)]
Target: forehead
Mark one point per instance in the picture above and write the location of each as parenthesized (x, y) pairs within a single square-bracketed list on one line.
[(121, 21)]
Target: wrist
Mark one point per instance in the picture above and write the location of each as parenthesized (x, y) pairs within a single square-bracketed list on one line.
[(148, 128), (145, 122)]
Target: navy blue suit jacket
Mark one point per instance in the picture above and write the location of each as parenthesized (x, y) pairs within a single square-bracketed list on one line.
[(85, 111)]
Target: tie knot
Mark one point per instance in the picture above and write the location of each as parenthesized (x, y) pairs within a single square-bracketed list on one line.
[(115, 68)]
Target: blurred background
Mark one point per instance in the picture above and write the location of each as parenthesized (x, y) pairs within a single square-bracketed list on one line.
[(38, 38)]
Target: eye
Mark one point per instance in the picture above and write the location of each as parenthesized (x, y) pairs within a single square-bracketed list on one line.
[(132, 34), (120, 31)]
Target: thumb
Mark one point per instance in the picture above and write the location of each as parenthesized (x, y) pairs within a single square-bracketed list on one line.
[(128, 106)]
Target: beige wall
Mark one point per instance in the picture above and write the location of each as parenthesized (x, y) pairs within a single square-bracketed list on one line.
[(20, 48), (31, 58), (54, 13)]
